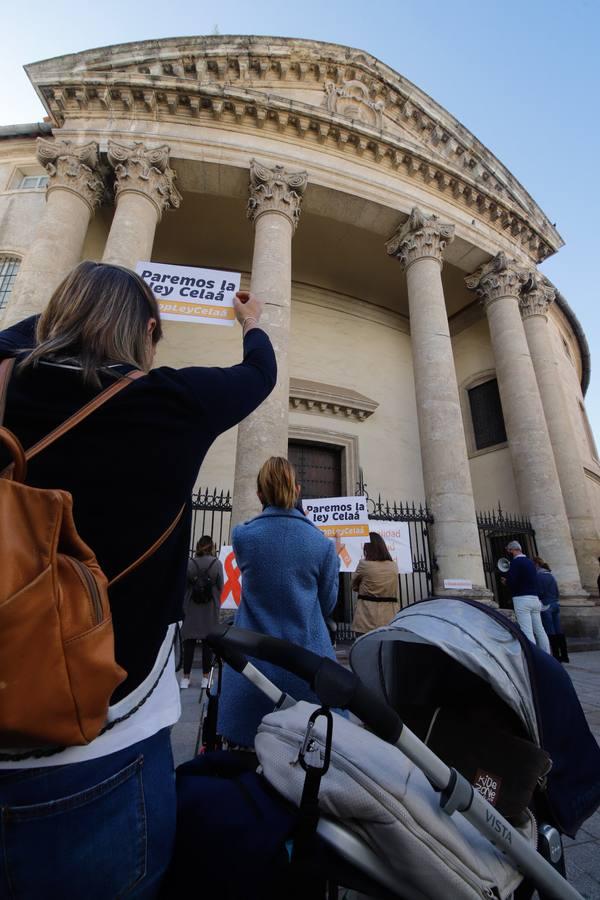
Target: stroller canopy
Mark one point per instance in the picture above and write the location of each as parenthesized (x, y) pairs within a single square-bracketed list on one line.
[(464, 632), (530, 682)]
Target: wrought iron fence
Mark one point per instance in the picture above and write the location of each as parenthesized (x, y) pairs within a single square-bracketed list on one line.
[(211, 514), (415, 585), (496, 529)]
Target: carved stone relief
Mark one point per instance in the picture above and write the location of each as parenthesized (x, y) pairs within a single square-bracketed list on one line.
[(352, 99)]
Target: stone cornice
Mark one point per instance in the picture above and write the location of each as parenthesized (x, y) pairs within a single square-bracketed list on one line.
[(72, 167), (420, 237), (275, 190), (312, 396), (360, 105), (144, 170)]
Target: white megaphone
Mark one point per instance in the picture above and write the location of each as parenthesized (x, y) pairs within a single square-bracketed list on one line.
[(503, 564)]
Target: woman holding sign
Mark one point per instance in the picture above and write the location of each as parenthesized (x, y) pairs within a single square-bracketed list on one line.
[(100, 817), (376, 581), (289, 587)]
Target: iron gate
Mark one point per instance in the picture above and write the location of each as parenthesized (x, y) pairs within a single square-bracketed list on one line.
[(211, 514), (496, 529), (415, 585)]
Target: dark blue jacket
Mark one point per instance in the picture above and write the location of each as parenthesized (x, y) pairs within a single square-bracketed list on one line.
[(130, 466), (522, 577), (547, 588)]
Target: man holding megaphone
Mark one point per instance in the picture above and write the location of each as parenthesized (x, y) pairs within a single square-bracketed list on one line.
[(521, 579)]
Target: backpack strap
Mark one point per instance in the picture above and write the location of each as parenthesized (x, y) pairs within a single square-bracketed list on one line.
[(81, 414), (151, 550), (6, 369)]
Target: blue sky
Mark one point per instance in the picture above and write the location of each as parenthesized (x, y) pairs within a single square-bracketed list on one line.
[(522, 75)]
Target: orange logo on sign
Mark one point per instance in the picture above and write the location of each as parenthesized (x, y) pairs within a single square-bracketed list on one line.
[(232, 585)]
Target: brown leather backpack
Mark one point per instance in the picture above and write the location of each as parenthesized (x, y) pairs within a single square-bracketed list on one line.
[(57, 663)]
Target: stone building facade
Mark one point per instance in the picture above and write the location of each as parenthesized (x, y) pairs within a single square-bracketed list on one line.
[(417, 339)]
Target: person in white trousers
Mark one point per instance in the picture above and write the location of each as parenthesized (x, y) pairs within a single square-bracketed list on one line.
[(522, 582)]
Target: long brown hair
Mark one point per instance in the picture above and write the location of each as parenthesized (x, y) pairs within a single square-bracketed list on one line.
[(376, 550), (98, 315), (276, 483)]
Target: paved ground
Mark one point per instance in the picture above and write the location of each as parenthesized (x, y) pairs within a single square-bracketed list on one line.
[(582, 854)]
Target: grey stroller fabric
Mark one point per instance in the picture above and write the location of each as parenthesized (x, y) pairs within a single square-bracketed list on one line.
[(467, 635), (376, 792)]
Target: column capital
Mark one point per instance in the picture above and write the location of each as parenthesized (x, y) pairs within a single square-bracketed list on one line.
[(275, 190), (420, 237), (72, 167), (144, 170), (498, 278), (536, 296)]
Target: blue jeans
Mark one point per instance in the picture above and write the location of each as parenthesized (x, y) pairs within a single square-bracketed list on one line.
[(551, 618), (96, 830)]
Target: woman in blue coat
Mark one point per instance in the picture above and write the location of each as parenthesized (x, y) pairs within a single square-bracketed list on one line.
[(289, 587)]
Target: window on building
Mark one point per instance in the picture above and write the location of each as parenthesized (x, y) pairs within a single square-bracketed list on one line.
[(486, 414), (9, 266), (318, 469), (30, 182)]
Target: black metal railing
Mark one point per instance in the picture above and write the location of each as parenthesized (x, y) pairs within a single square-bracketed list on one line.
[(415, 585), (419, 583), (496, 529), (211, 515)]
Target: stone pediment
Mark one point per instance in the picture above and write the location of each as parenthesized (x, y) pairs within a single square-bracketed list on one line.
[(342, 98)]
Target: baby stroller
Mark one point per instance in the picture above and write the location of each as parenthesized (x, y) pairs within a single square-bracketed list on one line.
[(384, 821), (454, 668)]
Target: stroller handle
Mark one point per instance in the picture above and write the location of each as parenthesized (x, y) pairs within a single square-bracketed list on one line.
[(333, 684)]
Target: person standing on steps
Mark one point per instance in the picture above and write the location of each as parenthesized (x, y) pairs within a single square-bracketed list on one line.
[(521, 579), (549, 598)]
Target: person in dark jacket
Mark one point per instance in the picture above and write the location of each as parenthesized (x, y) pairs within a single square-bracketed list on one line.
[(522, 582), (290, 575), (130, 467), (200, 618), (549, 598)]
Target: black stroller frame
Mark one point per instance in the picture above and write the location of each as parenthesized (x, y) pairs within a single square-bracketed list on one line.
[(336, 686)]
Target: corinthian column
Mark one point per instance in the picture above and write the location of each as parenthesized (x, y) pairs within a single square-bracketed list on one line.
[(74, 190), (536, 297), (418, 245), (499, 285), (144, 187), (274, 207)]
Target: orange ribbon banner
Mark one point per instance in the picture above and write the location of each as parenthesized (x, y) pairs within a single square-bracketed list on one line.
[(233, 583)]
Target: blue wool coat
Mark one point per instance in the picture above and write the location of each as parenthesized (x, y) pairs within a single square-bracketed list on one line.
[(289, 585)]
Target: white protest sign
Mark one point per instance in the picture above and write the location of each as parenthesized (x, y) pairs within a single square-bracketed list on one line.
[(397, 538), (232, 580), (347, 516), (187, 294), (457, 584)]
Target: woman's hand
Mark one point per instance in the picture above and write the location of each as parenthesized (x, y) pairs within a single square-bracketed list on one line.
[(248, 309)]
